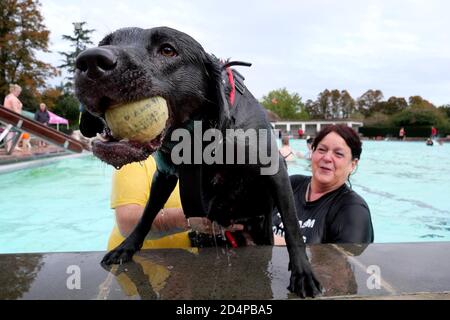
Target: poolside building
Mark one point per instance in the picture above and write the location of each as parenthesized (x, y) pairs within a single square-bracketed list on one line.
[(311, 127)]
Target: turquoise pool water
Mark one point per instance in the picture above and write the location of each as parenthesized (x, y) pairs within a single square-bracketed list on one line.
[(65, 206), (61, 207)]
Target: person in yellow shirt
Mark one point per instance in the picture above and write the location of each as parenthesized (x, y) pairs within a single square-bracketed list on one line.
[(170, 229), (130, 192)]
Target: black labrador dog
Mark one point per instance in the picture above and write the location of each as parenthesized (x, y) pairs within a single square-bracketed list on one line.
[(204, 97)]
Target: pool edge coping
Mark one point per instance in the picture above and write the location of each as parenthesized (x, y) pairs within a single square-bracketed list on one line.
[(7, 168)]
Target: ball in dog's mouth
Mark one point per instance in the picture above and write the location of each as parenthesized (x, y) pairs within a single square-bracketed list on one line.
[(139, 121), (135, 130)]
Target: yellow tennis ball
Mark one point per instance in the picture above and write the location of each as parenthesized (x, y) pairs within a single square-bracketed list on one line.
[(140, 121)]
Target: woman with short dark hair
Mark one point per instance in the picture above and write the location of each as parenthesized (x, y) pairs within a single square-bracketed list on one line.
[(329, 211)]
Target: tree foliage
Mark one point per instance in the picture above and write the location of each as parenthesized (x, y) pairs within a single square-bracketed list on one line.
[(378, 119), (418, 116), (22, 34), (288, 106), (332, 104), (79, 41), (67, 106), (419, 102), (50, 96), (445, 110), (392, 106), (368, 101)]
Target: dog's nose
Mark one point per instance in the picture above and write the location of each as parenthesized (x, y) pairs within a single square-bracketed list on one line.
[(96, 62)]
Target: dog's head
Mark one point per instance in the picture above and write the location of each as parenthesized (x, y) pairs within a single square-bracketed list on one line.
[(133, 64)]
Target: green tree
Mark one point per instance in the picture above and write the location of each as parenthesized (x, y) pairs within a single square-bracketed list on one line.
[(288, 106), (419, 102), (347, 105), (67, 106), (50, 96), (368, 101), (332, 104), (390, 107), (318, 109), (22, 34), (378, 119), (79, 42), (29, 100), (419, 116), (445, 109)]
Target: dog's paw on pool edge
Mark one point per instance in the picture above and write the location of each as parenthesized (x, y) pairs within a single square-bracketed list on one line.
[(121, 254), (305, 284)]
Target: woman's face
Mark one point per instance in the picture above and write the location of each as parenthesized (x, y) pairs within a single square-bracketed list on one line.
[(17, 91), (332, 162)]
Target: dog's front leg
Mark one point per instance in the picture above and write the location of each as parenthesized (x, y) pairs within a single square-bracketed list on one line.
[(162, 187), (303, 282)]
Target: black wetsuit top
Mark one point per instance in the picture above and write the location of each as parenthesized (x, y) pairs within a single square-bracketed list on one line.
[(340, 216)]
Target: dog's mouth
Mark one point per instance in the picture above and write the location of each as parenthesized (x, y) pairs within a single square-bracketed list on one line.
[(119, 153), (134, 131)]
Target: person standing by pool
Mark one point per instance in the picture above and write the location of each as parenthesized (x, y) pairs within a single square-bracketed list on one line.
[(402, 134), (328, 210), (433, 132), (13, 103), (43, 117)]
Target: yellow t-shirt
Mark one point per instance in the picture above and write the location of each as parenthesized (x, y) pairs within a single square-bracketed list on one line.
[(131, 184)]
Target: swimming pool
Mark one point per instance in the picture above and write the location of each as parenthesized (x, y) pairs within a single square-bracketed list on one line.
[(64, 207)]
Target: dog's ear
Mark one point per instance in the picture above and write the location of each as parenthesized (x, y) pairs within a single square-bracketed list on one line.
[(216, 94), (90, 125)]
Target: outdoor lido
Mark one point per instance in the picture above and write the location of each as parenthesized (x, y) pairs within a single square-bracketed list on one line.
[(58, 221)]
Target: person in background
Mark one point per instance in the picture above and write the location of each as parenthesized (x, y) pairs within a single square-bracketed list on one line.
[(287, 152), (130, 192), (433, 132), (43, 117), (328, 210), (309, 142), (26, 141), (13, 103), (300, 133), (402, 134)]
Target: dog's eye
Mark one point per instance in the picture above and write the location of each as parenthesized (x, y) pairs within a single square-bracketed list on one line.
[(168, 51)]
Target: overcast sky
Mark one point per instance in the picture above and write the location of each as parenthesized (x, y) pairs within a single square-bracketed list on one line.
[(401, 47)]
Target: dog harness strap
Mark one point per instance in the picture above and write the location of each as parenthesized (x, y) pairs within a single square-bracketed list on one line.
[(236, 81), (233, 88), (231, 239), (239, 86)]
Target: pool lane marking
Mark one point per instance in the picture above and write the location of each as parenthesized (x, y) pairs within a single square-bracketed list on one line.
[(384, 284)]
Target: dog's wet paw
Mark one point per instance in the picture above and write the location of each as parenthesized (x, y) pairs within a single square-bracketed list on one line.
[(305, 284), (121, 254)]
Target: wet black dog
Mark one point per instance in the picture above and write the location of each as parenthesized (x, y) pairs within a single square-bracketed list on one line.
[(202, 93)]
